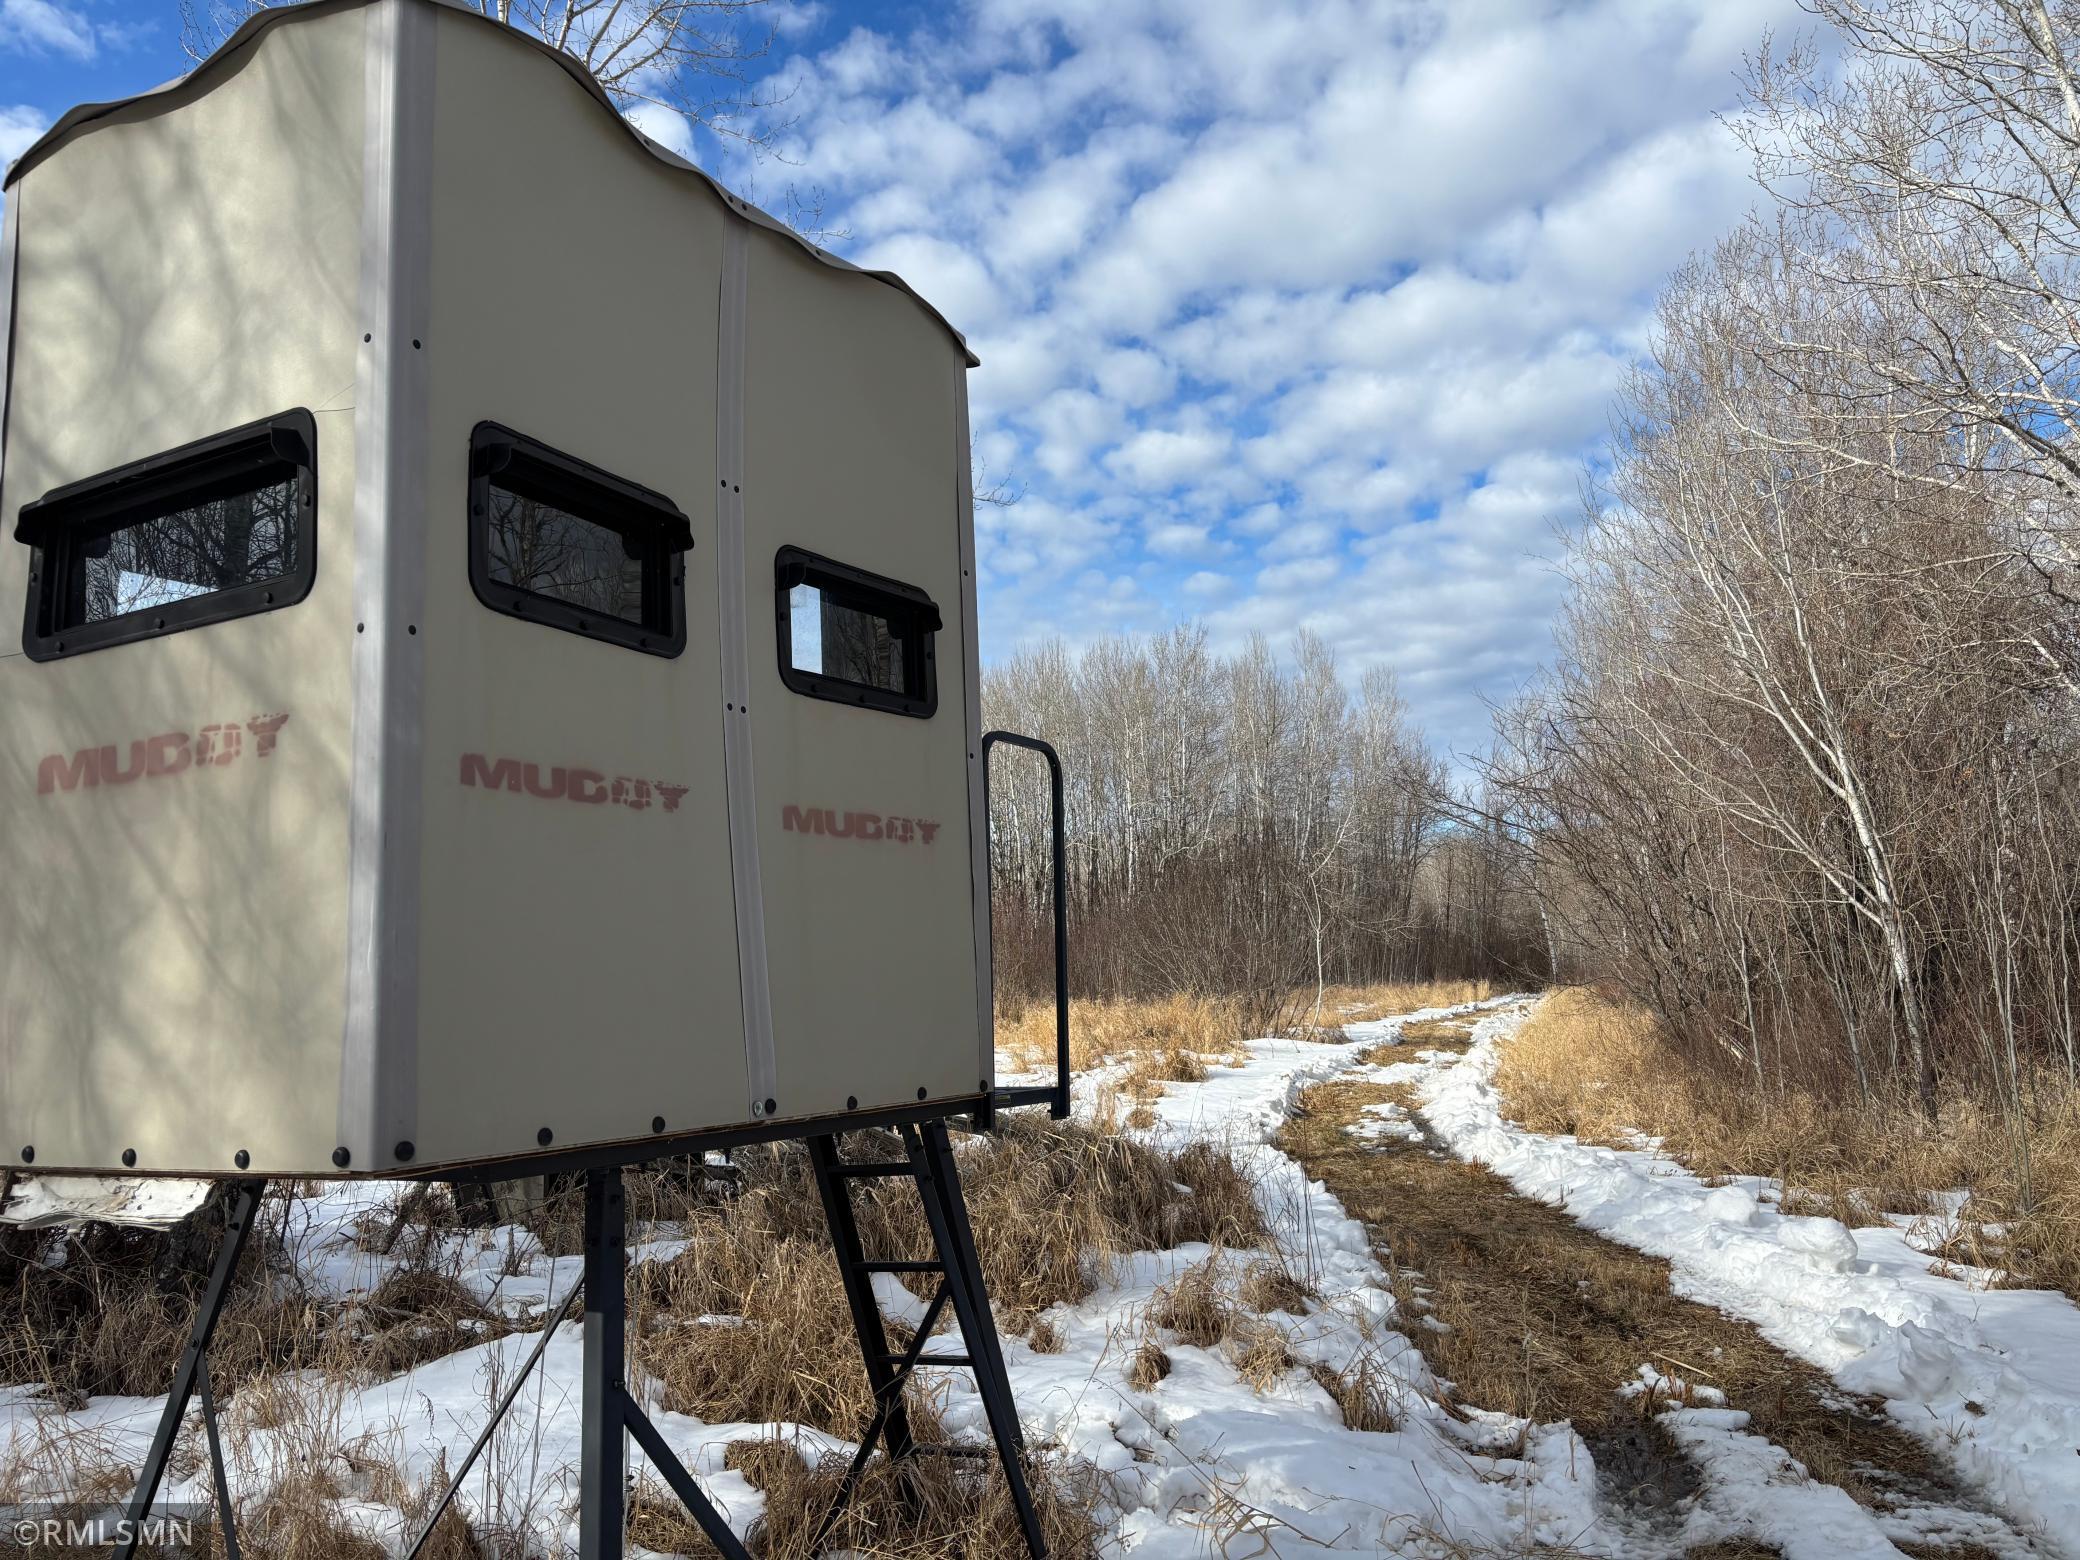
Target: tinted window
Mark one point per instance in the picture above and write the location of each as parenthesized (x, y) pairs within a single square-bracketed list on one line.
[(855, 637), (562, 543), (547, 551), (192, 551), (213, 530), (856, 643)]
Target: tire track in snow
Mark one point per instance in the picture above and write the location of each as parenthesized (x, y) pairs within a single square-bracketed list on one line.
[(1596, 1320)]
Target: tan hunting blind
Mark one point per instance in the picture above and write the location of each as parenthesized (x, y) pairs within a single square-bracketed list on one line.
[(498, 665), (497, 688)]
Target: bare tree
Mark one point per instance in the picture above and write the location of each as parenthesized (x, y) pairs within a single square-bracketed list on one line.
[(689, 58)]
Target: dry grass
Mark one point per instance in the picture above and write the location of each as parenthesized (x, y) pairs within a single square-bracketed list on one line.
[(1149, 1366), (750, 1322), (1599, 1069), (1109, 1031), (1388, 999), (926, 1509), (1366, 1392), (1547, 1321)]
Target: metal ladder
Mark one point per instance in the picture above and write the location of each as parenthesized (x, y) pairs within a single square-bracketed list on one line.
[(930, 1166)]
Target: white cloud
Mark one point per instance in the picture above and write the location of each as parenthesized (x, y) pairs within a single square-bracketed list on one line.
[(665, 126), (1162, 458), (1293, 315), (1178, 539), (42, 27), (20, 125)]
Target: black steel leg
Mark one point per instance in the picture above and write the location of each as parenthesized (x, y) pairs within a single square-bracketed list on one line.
[(933, 1156), (890, 1412), (939, 1156), (610, 1413), (245, 1205), (603, 1451), (220, 1474)]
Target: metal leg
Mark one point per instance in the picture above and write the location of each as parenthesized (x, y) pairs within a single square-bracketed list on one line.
[(603, 1451), (226, 1517), (889, 1408), (245, 1205), (610, 1413), (939, 1155), (932, 1154)]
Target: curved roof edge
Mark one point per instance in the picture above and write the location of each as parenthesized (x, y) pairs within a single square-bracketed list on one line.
[(85, 114)]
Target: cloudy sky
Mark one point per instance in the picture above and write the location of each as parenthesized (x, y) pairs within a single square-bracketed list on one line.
[(1290, 314)]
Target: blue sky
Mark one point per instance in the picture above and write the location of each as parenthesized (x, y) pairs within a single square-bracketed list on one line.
[(1300, 314)]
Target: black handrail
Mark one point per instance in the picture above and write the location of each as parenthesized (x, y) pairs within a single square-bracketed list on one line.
[(1056, 1096)]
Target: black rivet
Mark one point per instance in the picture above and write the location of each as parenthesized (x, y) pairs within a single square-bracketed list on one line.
[(241, 1159), (982, 1084), (28, 1153), (342, 1158), (415, 343), (405, 1150), (734, 488), (657, 1123), (920, 1091), (129, 1157), (411, 628), (771, 1106), (852, 1102), (367, 336), (158, 622), (269, 596), (360, 628), (544, 1137)]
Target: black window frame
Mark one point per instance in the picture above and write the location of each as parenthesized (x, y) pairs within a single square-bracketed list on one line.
[(599, 498), (56, 524), (864, 590)]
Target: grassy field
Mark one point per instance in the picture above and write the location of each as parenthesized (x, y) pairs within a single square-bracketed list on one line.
[(1595, 1067)]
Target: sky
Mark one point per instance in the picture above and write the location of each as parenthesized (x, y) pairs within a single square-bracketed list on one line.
[(1291, 315)]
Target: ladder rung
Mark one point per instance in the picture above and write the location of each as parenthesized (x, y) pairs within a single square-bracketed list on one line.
[(900, 1267), (947, 1449), (930, 1359), (876, 1167)]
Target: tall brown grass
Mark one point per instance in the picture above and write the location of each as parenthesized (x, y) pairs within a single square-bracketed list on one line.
[(1599, 1068), (750, 1322), (1170, 1039), (1100, 1032)]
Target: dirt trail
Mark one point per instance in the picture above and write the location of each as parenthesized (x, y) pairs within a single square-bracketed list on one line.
[(1527, 1312)]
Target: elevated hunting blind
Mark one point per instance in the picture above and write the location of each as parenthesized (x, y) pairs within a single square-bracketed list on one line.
[(497, 686), (498, 653)]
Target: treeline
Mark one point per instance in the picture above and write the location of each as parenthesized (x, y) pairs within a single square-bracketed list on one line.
[(1803, 778), (1237, 825)]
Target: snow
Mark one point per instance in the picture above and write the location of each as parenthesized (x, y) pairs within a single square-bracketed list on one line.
[(1206, 1462), (1988, 1378)]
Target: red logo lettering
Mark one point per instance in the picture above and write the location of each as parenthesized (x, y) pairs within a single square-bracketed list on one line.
[(162, 756), (478, 770), (562, 783), (264, 729), (56, 773), (828, 821)]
